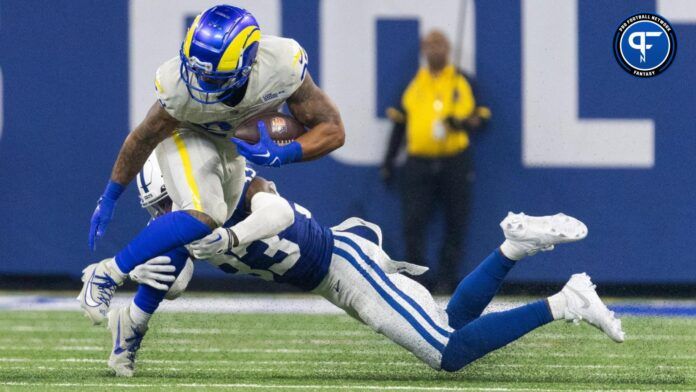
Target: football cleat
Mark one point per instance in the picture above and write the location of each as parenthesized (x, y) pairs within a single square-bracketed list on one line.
[(583, 303), (100, 282), (127, 338), (527, 235)]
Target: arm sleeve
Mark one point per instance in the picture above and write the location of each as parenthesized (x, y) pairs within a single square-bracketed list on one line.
[(464, 105), (398, 133), (465, 102), (270, 214), (396, 140)]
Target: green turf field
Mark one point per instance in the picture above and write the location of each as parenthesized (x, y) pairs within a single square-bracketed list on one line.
[(59, 351)]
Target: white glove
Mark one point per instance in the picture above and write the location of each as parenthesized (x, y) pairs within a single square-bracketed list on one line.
[(213, 244), (154, 272)]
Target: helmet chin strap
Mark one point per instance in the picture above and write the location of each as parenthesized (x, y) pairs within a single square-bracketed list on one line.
[(236, 95)]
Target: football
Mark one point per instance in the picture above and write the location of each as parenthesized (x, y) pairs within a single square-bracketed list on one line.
[(281, 128)]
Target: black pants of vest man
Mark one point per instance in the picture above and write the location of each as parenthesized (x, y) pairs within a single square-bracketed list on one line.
[(428, 184)]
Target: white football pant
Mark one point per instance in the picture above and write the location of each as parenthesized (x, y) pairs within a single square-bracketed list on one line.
[(202, 172)]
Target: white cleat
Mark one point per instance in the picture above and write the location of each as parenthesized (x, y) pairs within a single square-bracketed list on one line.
[(126, 338), (98, 289), (583, 303), (527, 235)]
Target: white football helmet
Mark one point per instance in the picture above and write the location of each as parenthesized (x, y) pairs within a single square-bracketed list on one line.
[(151, 188)]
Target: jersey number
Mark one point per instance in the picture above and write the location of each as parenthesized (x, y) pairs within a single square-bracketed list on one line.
[(274, 245)]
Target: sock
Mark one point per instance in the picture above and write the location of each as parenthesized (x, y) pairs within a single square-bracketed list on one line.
[(477, 289), (557, 305), (115, 272), (139, 317), (491, 332), (512, 251), (161, 235), (148, 298)]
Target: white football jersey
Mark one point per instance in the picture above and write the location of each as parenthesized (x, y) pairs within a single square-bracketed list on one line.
[(279, 69)]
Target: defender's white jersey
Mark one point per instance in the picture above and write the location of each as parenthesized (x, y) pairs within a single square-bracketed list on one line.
[(279, 69)]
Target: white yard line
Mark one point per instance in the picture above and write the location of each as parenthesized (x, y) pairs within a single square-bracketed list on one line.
[(326, 351), (601, 336), (361, 387), (295, 332), (192, 340), (211, 364), (272, 332), (330, 352), (105, 349), (594, 355), (201, 350), (251, 303), (9, 344), (287, 304)]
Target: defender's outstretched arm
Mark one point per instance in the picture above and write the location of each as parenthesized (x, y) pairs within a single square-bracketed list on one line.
[(270, 214), (313, 108)]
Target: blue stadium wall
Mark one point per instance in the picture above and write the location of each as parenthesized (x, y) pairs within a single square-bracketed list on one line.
[(65, 111)]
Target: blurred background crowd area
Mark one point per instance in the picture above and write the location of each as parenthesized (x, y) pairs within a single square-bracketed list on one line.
[(524, 105)]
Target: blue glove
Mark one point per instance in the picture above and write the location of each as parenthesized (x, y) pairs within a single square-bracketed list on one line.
[(266, 152), (104, 211)]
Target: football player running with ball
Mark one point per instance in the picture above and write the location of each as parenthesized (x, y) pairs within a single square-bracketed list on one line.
[(278, 240), (225, 73)]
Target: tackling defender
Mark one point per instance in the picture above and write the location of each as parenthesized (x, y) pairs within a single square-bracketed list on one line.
[(278, 240), (225, 73)]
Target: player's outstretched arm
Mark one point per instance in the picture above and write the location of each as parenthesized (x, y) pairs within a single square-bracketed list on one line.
[(313, 108), (156, 126), (269, 215)]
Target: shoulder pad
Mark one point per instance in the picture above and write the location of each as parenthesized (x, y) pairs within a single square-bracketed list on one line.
[(171, 93)]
